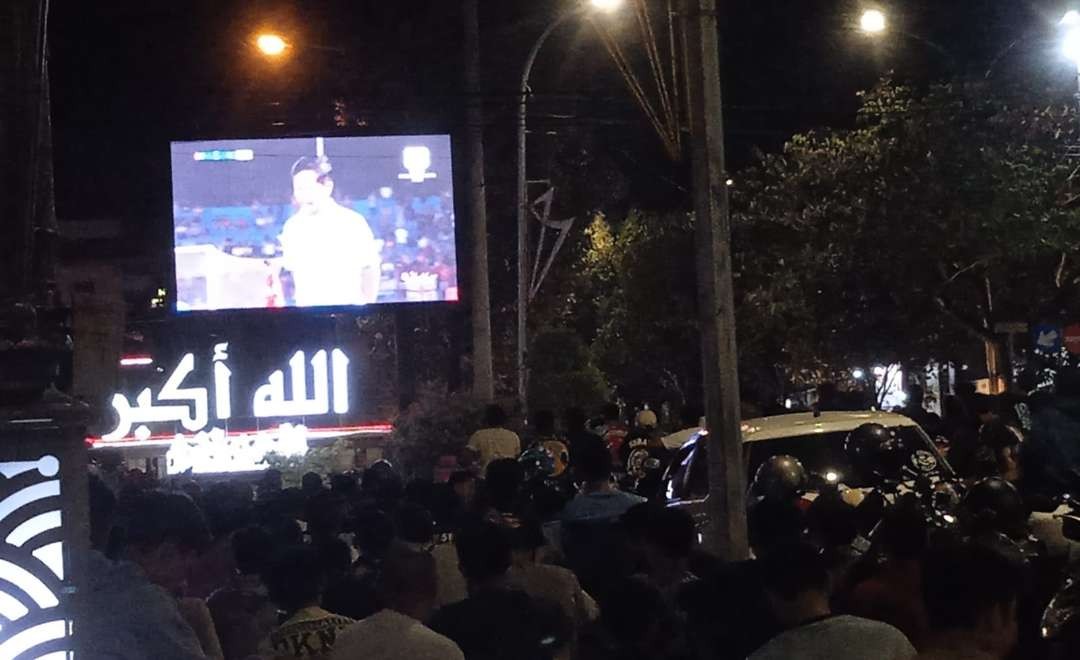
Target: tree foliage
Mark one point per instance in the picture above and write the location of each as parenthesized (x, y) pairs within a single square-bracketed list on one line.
[(902, 239), (910, 235)]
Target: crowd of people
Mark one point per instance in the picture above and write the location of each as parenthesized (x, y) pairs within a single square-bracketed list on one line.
[(557, 544)]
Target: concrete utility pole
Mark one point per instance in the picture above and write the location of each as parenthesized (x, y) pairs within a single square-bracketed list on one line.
[(727, 481), (483, 377)]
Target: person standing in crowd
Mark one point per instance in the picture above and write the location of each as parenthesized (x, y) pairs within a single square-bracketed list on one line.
[(407, 588), (690, 421), (612, 431), (296, 580), (1051, 453), (894, 593), (163, 534), (914, 409), (496, 621), (548, 582), (599, 499), (575, 422), (796, 584), (667, 540), (971, 593), (242, 612), (494, 440)]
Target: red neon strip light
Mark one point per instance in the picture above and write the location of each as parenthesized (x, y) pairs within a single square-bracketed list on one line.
[(377, 428)]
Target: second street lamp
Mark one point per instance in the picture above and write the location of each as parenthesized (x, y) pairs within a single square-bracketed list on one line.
[(523, 182), (270, 44)]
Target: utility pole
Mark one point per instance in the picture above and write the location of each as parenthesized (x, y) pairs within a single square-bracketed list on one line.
[(726, 534), (483, 377)]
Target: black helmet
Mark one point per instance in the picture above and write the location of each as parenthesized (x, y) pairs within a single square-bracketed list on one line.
[(875, 449), (779, 479), (994, 505)]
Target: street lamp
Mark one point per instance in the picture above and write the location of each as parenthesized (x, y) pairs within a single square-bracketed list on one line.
[(606, 6), (1070, 46), (873, 22), (271, 44)]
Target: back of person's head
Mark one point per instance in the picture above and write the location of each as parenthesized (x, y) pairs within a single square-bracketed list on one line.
[(153, 518), (965, 583), (311, 483), (251, 547), (528, 536), (325, 514), (791, 570), (295, 578), (632, 610), (543, 422), (484, 551), (374, 532), (414, 524), (408, 578), (494, 416), (503, 483), (690, 416), (611, 412), (343, 484), (904, 530), (593, 463), (420, 492), (334, 557), (772, 524), (574, 419), (671, 531)]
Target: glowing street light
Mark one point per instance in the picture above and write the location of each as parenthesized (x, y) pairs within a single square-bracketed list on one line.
[(271, 44), (607, 5), (873, 22)]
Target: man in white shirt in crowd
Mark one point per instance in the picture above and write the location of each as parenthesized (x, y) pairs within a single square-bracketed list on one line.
[(330, 250), (494, 440), (797, 587), (407, 586)]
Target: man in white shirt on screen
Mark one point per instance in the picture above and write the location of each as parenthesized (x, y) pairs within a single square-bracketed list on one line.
[(330, 250)]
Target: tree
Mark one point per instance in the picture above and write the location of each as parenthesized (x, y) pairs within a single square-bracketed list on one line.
[(561, 373), (910, 235)]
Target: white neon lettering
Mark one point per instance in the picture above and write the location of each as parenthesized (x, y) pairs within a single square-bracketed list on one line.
[(328, 386), (222, 383), (341, 380)]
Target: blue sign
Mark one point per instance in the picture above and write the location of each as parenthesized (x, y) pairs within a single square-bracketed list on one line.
[(1048, 338)]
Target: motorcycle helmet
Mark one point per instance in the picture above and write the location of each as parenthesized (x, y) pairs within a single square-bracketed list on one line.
[(780, 479), (537, 462), (875, 450), (994, 505)]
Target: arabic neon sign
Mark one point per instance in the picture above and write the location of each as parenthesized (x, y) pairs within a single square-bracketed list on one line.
[(277, 397)]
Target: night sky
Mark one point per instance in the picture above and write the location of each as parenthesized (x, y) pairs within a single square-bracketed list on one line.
[(128, 76)]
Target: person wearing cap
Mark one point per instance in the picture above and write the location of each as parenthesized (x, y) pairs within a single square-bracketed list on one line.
[(330, 250), (642, 457)]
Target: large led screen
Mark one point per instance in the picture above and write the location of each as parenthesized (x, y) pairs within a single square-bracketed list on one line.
[(313, 222)]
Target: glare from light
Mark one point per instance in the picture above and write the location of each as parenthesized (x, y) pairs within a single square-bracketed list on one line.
[(606, 5), (858, 374), (271, 44), (789, 404), (949, 518), (730, 182), (1070, 46), (832, 477), (872, 22), (880, 371), (1071, 18)]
